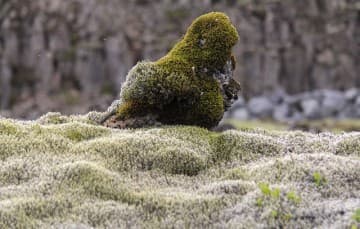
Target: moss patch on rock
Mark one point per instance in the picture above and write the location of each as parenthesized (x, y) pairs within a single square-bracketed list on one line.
[(64, 171), (183, 87)]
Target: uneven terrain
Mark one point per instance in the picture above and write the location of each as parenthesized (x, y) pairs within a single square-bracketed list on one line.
[(66, 172)]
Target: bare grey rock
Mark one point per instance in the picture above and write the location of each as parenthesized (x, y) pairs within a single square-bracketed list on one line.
[(240, 102), (357, 101), (332, 103), (311, 108), (296, 117), (241, 114), (278, 96), (351, 94), (351, 112), (282, 113), (260, 107), (292, 108)]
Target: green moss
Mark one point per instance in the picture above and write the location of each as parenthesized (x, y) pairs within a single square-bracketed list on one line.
[(32, 144), (319, 179), (349, 145), (8, 127), (293, 197), (265, 189), (78, 131), (11, 219), (237, 174), (277, 206), (169, 155), (25, 212), (255, 124), (92, 180), (356, 215), (77, 174), (207, 43), (183, 162), (245, 146), (333, 125), (180, 88), (57, 118), (53, 118)]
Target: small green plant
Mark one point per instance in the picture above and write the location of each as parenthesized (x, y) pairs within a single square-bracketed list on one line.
[(274, 213), (265, 189), (356, 215), (319, 179), (275, 193), (293, 197), (259, 202), (280, 204)]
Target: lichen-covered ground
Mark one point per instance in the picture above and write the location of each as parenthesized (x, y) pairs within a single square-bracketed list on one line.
[(66, 172)]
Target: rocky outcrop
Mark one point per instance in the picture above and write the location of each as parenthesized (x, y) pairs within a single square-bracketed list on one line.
[(51, 47), (283, 107)]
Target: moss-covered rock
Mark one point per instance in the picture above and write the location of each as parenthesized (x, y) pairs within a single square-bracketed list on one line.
[(192, 84), (63, 172)]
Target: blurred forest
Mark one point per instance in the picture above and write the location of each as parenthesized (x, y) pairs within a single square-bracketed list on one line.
[(72, 56)]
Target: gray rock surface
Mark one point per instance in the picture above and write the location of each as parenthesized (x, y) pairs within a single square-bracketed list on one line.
[(299, 107), (282, 112), (241, 114), (260, 107), (311, 108), (351, 94), (333, 102)]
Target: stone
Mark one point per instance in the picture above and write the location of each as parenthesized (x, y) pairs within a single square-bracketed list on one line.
[(332, 103), (240, 102), (281, 112), (224, 127), (311, 108), (351, 94), (357, 101), (278, 96), (349, 112), (297, 98), (260, 107), (297, 117), (241, 114)]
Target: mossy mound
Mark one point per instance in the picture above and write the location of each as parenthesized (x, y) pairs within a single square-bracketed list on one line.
[(192, 84), (65, 172)]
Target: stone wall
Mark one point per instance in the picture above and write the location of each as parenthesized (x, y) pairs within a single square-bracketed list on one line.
[(85, 47), (282, 107)]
